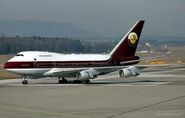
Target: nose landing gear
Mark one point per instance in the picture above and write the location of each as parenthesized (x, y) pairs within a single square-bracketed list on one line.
[(25, 82)]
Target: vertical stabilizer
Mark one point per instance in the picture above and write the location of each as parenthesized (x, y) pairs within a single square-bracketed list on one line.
[(126, 48)]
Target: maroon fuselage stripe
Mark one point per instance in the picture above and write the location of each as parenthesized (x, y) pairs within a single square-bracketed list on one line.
[(24, 65), (53, 64)]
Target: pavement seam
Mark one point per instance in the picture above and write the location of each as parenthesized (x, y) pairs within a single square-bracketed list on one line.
[(42, 112), (144, 107)]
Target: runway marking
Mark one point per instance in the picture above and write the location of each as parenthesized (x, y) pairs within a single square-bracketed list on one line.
[(154, 75), (145, 107), (43, 112)]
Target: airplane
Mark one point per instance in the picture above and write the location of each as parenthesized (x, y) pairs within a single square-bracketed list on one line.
[(83, 67)]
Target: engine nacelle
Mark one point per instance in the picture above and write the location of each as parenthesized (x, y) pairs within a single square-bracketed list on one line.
[(86, 74), (131, 71)]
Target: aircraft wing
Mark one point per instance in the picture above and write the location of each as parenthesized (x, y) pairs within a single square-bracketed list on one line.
[(71, 72)]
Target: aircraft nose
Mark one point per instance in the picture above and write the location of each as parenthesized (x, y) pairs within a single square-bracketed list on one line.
[(6, 65)]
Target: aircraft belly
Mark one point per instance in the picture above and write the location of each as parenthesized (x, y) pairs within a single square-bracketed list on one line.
[(30, 71), (61, 72)]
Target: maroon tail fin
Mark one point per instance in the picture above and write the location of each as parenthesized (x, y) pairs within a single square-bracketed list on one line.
[(126, 48)]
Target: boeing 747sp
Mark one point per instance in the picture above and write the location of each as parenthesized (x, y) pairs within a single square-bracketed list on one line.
[(36, 64)]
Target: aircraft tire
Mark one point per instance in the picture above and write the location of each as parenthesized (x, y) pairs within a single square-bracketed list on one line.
[(62, 81), (25, 82)]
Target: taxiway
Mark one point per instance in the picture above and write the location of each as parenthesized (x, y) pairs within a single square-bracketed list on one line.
[(150, 95)]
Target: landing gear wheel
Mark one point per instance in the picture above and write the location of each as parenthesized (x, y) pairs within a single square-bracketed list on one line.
[(88, 82), (24, 82), (62, 81)]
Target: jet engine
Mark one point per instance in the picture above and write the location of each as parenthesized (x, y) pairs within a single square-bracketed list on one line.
[(86, 74), (131, 71)]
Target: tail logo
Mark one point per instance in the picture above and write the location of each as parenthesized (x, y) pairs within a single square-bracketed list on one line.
[(132, 38)]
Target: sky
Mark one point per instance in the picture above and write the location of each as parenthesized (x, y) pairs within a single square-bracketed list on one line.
[(112, 18)]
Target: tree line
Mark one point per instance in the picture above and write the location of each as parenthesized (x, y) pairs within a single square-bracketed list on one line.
[(12, 45)]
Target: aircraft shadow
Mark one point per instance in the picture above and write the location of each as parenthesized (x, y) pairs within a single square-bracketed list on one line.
[(126, 82), (106, 82)]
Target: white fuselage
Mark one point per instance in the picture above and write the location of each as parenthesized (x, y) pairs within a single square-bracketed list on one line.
[(37, 63)]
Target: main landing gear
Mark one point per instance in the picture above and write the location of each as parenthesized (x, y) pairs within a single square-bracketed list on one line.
[(62, 81), (83, 82), (87, 82)]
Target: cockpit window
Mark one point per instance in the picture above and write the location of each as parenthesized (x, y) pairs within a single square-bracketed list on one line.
[(20, 55)]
